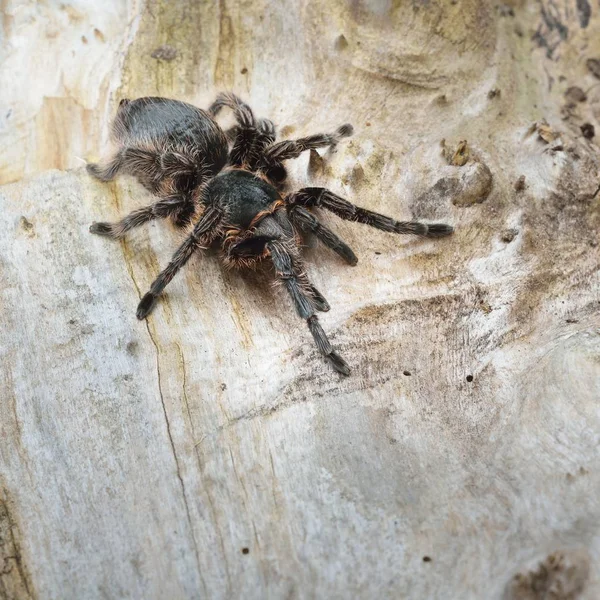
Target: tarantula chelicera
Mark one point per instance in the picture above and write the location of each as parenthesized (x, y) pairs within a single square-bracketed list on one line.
[(234, 195)]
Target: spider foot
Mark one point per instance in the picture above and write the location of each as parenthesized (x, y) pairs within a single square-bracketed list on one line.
[(439, 230), (338, 363), (105, 229), (145, 306)]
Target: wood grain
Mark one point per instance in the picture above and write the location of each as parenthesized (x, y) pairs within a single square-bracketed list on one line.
[(209, 452)]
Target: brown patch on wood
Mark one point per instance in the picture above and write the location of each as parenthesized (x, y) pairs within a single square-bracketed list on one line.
[(560, 576), (15, 581), (544, 130), (99, 35), (575, 94), (26, 226)]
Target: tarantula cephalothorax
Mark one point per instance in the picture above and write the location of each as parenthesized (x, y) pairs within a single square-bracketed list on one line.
[(179, 153)]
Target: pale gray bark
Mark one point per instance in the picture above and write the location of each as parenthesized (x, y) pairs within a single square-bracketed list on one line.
[(140, 460)]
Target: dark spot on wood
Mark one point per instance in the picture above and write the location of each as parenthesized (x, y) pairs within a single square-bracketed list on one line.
[(575, 94), (244, 71), (367, 124), (427, 559), (494, 93), (377, 253), (572, 320), (509, 235), (26, 225), (584, 13), (588, 131), (223, 387), (99, 35), (520, 184), (407, 373), (166, 53), (132, 347), (504, 10), (341, 43), (469, 378), (593, 64), (84, 39), (245, 551)]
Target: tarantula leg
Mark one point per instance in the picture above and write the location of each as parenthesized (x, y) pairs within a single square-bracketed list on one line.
[(318, 299), (203, 233), (294, 148), (284, 267), (309, 223), (108, 171), (242, 112), (323, 198), (171, 207)]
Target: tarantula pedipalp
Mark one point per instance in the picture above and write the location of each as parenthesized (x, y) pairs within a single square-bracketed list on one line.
[(243, 207)]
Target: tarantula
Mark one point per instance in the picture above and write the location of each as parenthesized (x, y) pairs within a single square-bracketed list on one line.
[(233, 196)]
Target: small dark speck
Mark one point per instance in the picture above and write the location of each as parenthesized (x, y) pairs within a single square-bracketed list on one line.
[(493, 93), (427, 559), (72, 321), (509, 235), (244, 71), (469, 378), (377, 253), (84, 39), (367, 124), (245, 551), (572, 320), (223, 387), (407, 373), (132, 347), (9, 113)]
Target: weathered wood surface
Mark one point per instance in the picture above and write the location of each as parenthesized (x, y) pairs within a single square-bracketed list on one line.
[(210, 453)]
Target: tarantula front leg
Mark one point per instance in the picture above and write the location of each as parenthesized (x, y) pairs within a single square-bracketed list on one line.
[(204, 232), (305, 307), (169, 207), (324, 198), (294, 148), (309, 223)]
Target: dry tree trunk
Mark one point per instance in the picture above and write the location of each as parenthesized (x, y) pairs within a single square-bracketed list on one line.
[(210, 452)]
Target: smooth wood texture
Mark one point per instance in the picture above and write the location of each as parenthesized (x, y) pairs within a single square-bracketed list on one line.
[(210, 452)]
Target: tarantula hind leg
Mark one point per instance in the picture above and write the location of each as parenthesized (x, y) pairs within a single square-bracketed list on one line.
[(304, 304), (202, 235), (324, 198), (170, 207)]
